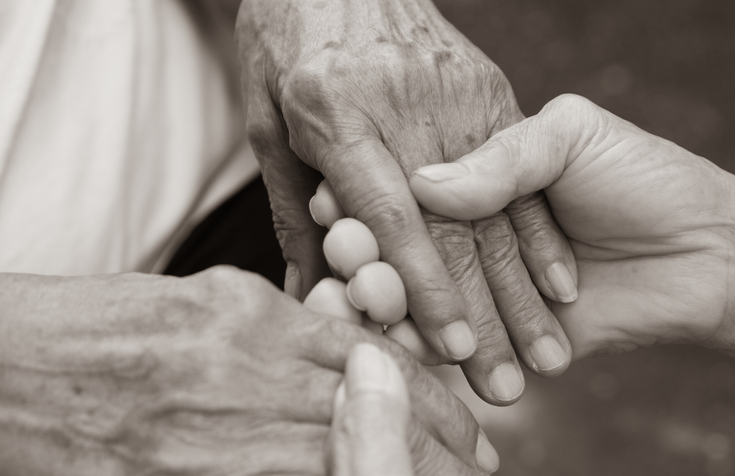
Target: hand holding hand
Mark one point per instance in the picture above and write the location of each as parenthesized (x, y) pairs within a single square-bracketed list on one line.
[(371, 419), (652, 226), (365, 92)]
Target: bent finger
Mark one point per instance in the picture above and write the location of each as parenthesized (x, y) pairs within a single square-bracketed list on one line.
[(290, 184), (372, 188)]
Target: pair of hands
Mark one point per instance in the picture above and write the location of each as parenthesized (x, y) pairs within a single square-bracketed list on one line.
[(651, 225), (363, 93)]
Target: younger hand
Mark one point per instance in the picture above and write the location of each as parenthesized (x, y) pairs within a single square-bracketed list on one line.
[(651, 224), (371, 419)]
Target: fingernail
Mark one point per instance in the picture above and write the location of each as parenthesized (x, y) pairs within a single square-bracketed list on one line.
[(311, 211), (292, 282), (486, 456), (340, 396), (351, 297), (505, 383), (443, 172), (561, 282), (459, 340), (366, 370), (547, 354)]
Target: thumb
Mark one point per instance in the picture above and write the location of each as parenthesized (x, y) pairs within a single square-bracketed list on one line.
[(522, 159), (372, 414)]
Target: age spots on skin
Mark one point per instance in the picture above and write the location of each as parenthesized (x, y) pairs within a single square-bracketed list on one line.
[(333, 45), (381, 39), (469, 139), (441, 57)]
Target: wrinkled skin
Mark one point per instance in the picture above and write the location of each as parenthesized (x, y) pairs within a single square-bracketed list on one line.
[(216, 374), (364, 92), (651, 224)]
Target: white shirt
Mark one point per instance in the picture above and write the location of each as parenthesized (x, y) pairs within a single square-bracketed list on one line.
[(119, 128)]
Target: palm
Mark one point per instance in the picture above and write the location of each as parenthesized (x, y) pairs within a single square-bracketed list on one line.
[(649, 254)]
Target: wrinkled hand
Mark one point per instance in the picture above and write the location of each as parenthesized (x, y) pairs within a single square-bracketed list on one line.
[(651, 225), (364, 92), (219, 373)]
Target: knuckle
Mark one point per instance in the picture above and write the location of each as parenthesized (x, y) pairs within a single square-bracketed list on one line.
[(497, 244), (528, 315), (528, 209), (226, 279), (492, 337), (455, 242), (568, 105), (387, 216)]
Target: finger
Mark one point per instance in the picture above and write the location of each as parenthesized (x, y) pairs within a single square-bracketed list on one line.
[(370, 427), (408, 335), (290, 185), (520, 160), (327, 342), (377, 289), (349, 245), (544, 248), (536, 334), (324, 206), (493, 371), (329, 297), (372, 188)]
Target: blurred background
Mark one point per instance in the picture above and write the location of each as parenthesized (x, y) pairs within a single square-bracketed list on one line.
[(669, 67)]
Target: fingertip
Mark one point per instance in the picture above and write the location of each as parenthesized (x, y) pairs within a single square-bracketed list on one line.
[(560, 281), (324, 206), (348, 246), (378, 289), (293, 282), (487, 457), (460, 342), (506, 383), (329, 297), (407, 334), (549, 357)]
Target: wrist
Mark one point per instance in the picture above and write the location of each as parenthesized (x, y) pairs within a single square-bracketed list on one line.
[(723, 339)]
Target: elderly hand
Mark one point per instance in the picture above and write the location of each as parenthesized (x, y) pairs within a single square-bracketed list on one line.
[(371, 419), (364, 92), (219, 373), (652, 226)]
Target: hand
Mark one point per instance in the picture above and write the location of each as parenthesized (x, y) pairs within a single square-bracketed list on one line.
[(371, 414), (651, 225), (364, 92), (219, 373)]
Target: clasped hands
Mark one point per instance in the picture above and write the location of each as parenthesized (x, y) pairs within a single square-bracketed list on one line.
[(370, 94)]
